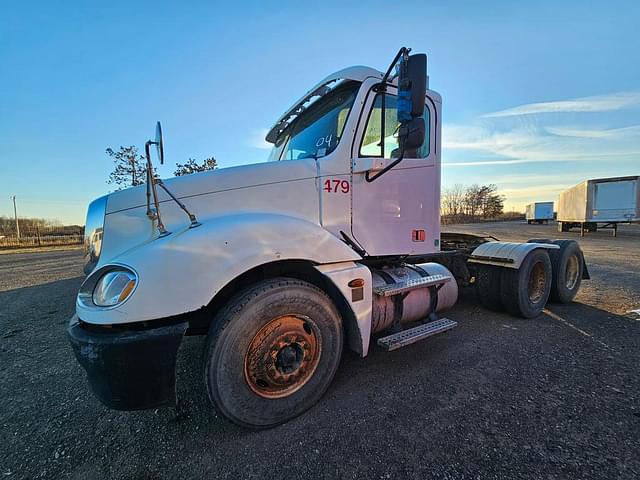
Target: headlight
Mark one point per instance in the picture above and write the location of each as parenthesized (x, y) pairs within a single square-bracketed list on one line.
[(113, 288), (108, 286)]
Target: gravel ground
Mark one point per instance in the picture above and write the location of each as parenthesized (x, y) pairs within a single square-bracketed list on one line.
[(498, 397)]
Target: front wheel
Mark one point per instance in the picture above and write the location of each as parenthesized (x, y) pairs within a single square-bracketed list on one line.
[(272, 352)]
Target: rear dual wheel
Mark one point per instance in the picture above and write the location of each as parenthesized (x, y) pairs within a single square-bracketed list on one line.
[(567, 264), (272, 352), (522, 292)]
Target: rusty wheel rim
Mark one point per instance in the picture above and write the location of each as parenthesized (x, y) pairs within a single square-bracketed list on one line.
[(571, 272), (282, 356), (537, 283)]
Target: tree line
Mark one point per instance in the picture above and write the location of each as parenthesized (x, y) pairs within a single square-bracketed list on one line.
[(37, 226), (471, 203), (130, 167)]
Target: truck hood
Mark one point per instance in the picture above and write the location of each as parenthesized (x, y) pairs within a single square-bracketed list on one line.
[(284, 188), (213, 181)]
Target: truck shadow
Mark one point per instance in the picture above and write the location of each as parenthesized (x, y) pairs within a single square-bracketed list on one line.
[(472, 376), (484, 345)]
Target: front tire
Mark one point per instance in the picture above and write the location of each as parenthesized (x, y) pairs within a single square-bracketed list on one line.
[(272, 352)]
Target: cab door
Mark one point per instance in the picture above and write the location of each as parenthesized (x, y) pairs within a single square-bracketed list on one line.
[(399, 212)]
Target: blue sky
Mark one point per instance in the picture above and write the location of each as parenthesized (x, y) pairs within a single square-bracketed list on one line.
[(537, 95)]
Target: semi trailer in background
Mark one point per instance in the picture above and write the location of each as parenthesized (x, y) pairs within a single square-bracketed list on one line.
[(602, 202), (539, 212)]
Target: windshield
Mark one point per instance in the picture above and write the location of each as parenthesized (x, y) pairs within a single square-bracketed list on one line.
[(317, 132)]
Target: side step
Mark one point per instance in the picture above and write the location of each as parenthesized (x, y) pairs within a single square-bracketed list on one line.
[(401, 287), (412, 335)]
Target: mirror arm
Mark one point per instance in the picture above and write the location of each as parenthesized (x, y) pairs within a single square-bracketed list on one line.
[(192, 217), (146, 170), (152, 189), (370, 179), (151, 185), (383, 88)]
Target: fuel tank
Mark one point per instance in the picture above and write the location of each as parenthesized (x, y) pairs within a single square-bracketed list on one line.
[(415, 304)]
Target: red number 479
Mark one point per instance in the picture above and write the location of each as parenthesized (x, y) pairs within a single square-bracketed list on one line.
[(336, 186)]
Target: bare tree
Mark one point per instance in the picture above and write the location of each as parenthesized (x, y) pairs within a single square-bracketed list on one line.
[(129, 167), (453, 200), (192, 166), (471, 203)]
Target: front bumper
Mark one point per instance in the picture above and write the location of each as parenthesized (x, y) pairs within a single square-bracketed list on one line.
[(129, 370)]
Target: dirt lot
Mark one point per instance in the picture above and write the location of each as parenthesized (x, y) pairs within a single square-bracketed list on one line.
[(498, 397)]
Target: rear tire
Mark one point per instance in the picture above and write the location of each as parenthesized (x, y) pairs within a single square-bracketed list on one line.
[(567, 264), (272, 352), (525, 291), (539, 240)]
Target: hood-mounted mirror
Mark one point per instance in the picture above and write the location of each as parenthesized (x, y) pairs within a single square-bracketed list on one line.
[(159, 143), (153, 181)]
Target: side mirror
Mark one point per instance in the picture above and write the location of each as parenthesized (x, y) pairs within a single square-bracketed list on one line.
[(159, 143), (412, 91), (413, 132)]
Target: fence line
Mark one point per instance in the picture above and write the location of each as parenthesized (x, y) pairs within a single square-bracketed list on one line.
[(40, 236)]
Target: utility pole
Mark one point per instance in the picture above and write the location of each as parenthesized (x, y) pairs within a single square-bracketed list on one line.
[(15, 215)]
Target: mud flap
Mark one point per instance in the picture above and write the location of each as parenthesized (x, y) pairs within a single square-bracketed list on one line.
[(585, 270)]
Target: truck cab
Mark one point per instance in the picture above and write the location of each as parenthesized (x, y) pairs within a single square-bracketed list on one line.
[(340, 137), (333, 240)]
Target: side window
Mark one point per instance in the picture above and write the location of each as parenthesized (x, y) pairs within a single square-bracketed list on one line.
[(370, 145)]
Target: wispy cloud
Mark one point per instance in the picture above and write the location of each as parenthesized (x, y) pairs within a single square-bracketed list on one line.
[(594, 133), (485, 162), (524, 193), (488, 145), (597, 103), (495, 147), (256, 140)]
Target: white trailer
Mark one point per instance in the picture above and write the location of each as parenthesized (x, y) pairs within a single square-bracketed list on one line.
[(603, 202), (334, 242), (539, 212)]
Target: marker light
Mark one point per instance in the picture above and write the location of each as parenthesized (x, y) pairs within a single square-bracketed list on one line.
[(113, 288)]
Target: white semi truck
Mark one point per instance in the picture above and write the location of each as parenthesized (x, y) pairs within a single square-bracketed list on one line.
[(335, 241)]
